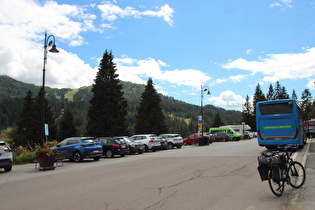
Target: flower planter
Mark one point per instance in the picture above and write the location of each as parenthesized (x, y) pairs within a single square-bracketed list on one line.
[(46, 162)]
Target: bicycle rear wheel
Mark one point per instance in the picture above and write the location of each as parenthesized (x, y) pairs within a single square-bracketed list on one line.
[(296, 172), (275, 183)]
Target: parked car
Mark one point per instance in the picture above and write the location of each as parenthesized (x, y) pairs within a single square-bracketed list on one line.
[(220, 136), (134, 146), (249, 134), (191, 139), (6, 157), (78, 148), (150, 143), (163, 141), (173, 140), (112, 146)]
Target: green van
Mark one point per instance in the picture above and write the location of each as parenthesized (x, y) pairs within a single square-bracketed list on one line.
[(232, 133)]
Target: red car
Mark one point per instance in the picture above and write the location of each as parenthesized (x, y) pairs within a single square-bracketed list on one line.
[(193, 138)]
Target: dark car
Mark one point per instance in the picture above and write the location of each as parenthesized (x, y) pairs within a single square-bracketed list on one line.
[(134, 146), (78, 148), (112, 146), (220, 136)]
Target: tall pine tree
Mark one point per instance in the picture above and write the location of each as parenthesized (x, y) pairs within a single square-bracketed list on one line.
[(294, 96), (306, 103), (247, 114), (271, 93), (150, 117), (66, 126), (108, 108), (217, 121), (258, 96), (49, 119), (25, 131)]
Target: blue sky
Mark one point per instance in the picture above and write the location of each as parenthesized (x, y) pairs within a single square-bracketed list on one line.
[(229, 46)]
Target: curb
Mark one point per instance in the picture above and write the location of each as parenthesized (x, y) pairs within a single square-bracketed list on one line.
[(304, 158), (293, 199)]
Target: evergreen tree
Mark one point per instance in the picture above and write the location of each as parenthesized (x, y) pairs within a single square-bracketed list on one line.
[(150, 117), (49, 119), (217, 121), (66, 126), (271, 93), (26, 128), (247, 114), (306, 103), (312, 111), (278, 90), (294, 96), (258, 96), (108, 109), (284, 94)]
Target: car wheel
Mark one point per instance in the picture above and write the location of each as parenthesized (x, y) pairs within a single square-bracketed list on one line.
[(97, 158), (7, 169), (185, 143), (179, 146), (77, 157), (140, 152), (146, 149), (109, 154), (122, 155), (170, 145)]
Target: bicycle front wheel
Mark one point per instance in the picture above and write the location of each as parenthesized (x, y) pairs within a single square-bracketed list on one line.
[(296, 172), (276, 185)]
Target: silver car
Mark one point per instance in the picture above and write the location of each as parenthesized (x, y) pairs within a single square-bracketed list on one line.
[(174, 140), (149, 141), (6, 158)]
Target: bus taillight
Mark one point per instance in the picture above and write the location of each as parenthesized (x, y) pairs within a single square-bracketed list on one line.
[(295, 134), (260, 135)]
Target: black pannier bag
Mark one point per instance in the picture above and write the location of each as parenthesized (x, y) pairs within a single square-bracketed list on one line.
[(263, 172), (263, 160), (275, 160)]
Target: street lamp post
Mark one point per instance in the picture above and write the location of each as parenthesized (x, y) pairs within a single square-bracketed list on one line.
[(203, 89), (53, 49)]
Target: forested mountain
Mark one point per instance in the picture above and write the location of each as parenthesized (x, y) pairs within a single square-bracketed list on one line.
[(181, 117)]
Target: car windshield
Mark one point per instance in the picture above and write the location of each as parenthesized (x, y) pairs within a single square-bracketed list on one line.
[(119, 141), (126, 139), (87, 140), (3, 147), (129, 140)]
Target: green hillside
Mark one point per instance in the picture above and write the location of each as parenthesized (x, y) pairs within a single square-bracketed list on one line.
[(181, 117)]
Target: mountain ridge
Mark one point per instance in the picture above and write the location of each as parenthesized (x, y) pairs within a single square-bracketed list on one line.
[(177, 111)]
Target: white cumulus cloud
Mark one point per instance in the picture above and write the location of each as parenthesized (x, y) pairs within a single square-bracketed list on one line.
[(228, 99), (111, 12), (279, 66)]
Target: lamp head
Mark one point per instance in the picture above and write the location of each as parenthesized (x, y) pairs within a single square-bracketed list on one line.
[(54, 49), (208, 91)]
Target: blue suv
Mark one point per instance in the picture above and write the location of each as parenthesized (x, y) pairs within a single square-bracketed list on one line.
[(78, 148)]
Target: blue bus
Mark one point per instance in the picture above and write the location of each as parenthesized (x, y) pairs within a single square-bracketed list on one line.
[(279, 122)]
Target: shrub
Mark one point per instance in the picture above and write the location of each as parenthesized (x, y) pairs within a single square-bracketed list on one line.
[(27, 154), (25, 157)]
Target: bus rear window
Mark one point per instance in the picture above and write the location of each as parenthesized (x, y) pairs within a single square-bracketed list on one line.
[(276, 108)]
